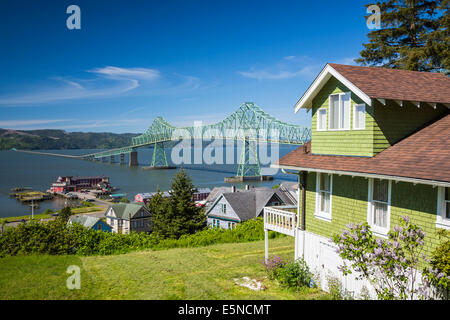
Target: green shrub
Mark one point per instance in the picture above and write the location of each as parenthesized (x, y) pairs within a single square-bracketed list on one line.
[(86, 204), (440, 258), (56, 237), (295, 275)]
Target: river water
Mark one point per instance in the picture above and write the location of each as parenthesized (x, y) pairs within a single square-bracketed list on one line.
[(18, 169)]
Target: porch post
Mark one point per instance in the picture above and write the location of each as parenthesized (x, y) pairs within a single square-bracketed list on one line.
[(266, 240)]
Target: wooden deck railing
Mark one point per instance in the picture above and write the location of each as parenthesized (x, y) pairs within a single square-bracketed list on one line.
[(279, 220)]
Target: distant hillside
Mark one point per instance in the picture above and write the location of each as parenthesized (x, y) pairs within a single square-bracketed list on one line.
[(60, 139)]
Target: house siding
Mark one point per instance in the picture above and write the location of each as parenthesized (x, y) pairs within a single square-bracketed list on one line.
[(385, 125), (349, 205), (224, 219), (345, 142)]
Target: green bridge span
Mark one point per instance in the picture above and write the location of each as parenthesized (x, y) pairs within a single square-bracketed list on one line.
[(249, 123)]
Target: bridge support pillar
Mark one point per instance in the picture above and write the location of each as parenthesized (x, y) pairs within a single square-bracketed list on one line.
[(249, 162), (133, 158), (104, 159), (122, 158), (112, 159), (159, 155)]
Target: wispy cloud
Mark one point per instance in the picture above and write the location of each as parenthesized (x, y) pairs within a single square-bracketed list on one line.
[(108, 81), (288, 67), (275, 75), (127, 73), (16, 124)]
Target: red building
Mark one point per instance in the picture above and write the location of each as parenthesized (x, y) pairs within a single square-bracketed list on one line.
[(69, 184)]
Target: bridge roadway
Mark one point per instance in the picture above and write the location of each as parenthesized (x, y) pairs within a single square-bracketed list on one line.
[(51, 154)]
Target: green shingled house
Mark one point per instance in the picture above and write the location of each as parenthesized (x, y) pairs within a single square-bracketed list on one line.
[(129, 217), (379, 150)]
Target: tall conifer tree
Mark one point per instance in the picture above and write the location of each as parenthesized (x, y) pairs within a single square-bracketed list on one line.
[(411, 37), (177, 215)]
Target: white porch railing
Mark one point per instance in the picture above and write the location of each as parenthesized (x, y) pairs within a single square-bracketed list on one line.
[(280, 221)]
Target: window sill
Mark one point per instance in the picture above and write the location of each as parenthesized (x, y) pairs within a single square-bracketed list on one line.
[(379, 232), (443, 223), (322, 216), (347, 129)]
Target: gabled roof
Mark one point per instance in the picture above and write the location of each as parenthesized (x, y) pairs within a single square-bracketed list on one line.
[(127, 210), (423, 157), (381, 83), (247, 204), (86, 221)]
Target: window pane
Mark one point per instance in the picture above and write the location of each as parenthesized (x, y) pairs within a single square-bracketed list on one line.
[(324, 201), (447, 210), (359, 115), (322, 119), (380, 190), (447, 194), (324, 182), (334, 112), (345, 111), (380, 214)]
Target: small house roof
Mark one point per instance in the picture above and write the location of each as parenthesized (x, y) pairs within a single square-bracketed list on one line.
[(247, 204), (86, 221), (127, 210)]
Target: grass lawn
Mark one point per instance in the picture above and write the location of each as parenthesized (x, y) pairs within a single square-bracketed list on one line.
[(87, 209), (184, 273)]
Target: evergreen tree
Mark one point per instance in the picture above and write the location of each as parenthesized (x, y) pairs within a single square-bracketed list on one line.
[(65, 214), (177, 215), (411, 36)]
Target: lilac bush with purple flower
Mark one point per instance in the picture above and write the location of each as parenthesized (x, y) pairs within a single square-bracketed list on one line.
[(391, 265), (273, 266)]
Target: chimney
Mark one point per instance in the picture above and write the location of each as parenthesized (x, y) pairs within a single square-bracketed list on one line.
[(233, 188)]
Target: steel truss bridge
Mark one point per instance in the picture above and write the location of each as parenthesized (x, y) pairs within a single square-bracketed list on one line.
[(249, 124)]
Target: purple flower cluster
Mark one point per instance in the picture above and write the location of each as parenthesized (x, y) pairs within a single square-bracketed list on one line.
[(273, 264), (390, 265)]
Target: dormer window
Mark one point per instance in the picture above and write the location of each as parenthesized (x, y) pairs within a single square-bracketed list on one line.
[(322, 119), (339, 111), (359, 117)]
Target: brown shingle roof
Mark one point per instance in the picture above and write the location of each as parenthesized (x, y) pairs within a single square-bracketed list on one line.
[(397, 84), (423, 155)]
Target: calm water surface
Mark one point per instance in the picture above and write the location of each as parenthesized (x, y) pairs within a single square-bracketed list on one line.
[(19, 169)]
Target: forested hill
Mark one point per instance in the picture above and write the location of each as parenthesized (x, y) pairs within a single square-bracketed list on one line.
[(60, 139)]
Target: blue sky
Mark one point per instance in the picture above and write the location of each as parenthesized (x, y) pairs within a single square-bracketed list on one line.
[(183, 60)]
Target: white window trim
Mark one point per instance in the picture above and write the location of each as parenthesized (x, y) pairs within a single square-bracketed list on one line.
[(377, 230), (354, 116), (318, 119), (326, 216), (441, 220), (340, 94)]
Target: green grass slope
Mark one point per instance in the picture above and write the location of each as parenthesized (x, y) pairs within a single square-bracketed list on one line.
[(180, 273)]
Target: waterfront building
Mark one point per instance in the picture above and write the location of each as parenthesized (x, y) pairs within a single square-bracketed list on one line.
[(70, 183), (200, 195)]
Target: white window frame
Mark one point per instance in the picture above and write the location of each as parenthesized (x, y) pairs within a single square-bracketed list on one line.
[(339, 113), (318, 119), (377, 230), (326, 216), (223, 208), (441, 220), (354, 116)]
